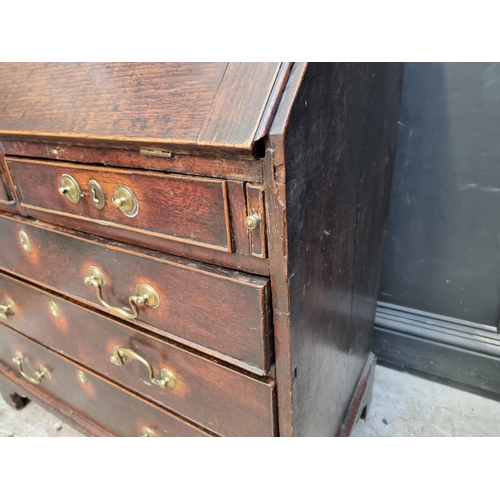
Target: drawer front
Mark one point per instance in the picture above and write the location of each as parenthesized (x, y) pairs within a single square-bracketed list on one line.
[(216, 397), (192, 210), (111, 408), (221, 312)]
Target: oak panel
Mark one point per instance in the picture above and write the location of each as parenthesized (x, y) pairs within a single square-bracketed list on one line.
[(228, 402), (219, 311), (188, 209)]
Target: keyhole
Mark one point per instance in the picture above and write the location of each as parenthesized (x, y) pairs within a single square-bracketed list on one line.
[(94, 196)]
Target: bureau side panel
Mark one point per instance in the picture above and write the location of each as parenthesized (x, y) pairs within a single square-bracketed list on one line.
[(338, 155)]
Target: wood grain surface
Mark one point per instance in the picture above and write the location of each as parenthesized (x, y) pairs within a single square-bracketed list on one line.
[(99, 400), (213, 107), (243, 170), (182, 208), (219, 311), (330, 155), (226, 401)]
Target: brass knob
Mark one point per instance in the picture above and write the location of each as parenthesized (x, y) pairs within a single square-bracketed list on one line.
[(126, 201), (252, 222), (70, 188), (7, 309), (119, 202)]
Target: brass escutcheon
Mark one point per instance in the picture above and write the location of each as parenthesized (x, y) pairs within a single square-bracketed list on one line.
[(37, 376), (25, 241), (96, 194), (126, 201), (252, 222), (70, 188), (7, 309)]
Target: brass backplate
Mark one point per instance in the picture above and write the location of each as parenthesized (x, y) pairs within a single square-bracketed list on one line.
[(126, 201), (25, 241), (93, 271), (82, 377), (54, 309), (70, 188), (148, 432), (153, 297)]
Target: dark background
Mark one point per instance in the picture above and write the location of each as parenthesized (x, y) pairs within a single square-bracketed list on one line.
[(442, 251)]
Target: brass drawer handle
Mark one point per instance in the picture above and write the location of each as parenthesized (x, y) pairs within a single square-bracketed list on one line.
[(7, 309), (147, 295), (70, 188), (37, 376), (122, 354)]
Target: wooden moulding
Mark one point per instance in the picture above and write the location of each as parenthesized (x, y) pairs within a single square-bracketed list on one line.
[(242, 170), (452, 351)]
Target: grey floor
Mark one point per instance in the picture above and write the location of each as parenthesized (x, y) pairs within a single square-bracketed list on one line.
[(403, 405)]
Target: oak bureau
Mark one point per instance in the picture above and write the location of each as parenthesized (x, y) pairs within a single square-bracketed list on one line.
[(193, 249)]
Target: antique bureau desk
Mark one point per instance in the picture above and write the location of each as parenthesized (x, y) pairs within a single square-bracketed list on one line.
[(193, 249)]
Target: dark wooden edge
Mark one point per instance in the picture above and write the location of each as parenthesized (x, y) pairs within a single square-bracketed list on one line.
[(11, 384), (243, 170), (275, 208), (273, 101), (361, 400), (457, 353)]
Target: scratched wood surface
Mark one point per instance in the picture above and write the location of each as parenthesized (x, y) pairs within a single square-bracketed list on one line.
[(213, 107)]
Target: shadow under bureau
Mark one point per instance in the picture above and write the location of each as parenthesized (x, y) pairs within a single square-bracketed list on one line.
[(193, 249)]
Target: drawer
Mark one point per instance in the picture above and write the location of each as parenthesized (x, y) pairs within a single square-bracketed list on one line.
[(221, 312), (179, 208), (226, 401), (90, 396)]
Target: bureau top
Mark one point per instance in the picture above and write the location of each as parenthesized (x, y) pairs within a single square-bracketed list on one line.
[(217, 108)]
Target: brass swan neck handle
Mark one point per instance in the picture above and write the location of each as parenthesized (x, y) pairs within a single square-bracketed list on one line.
[(147, 296)]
